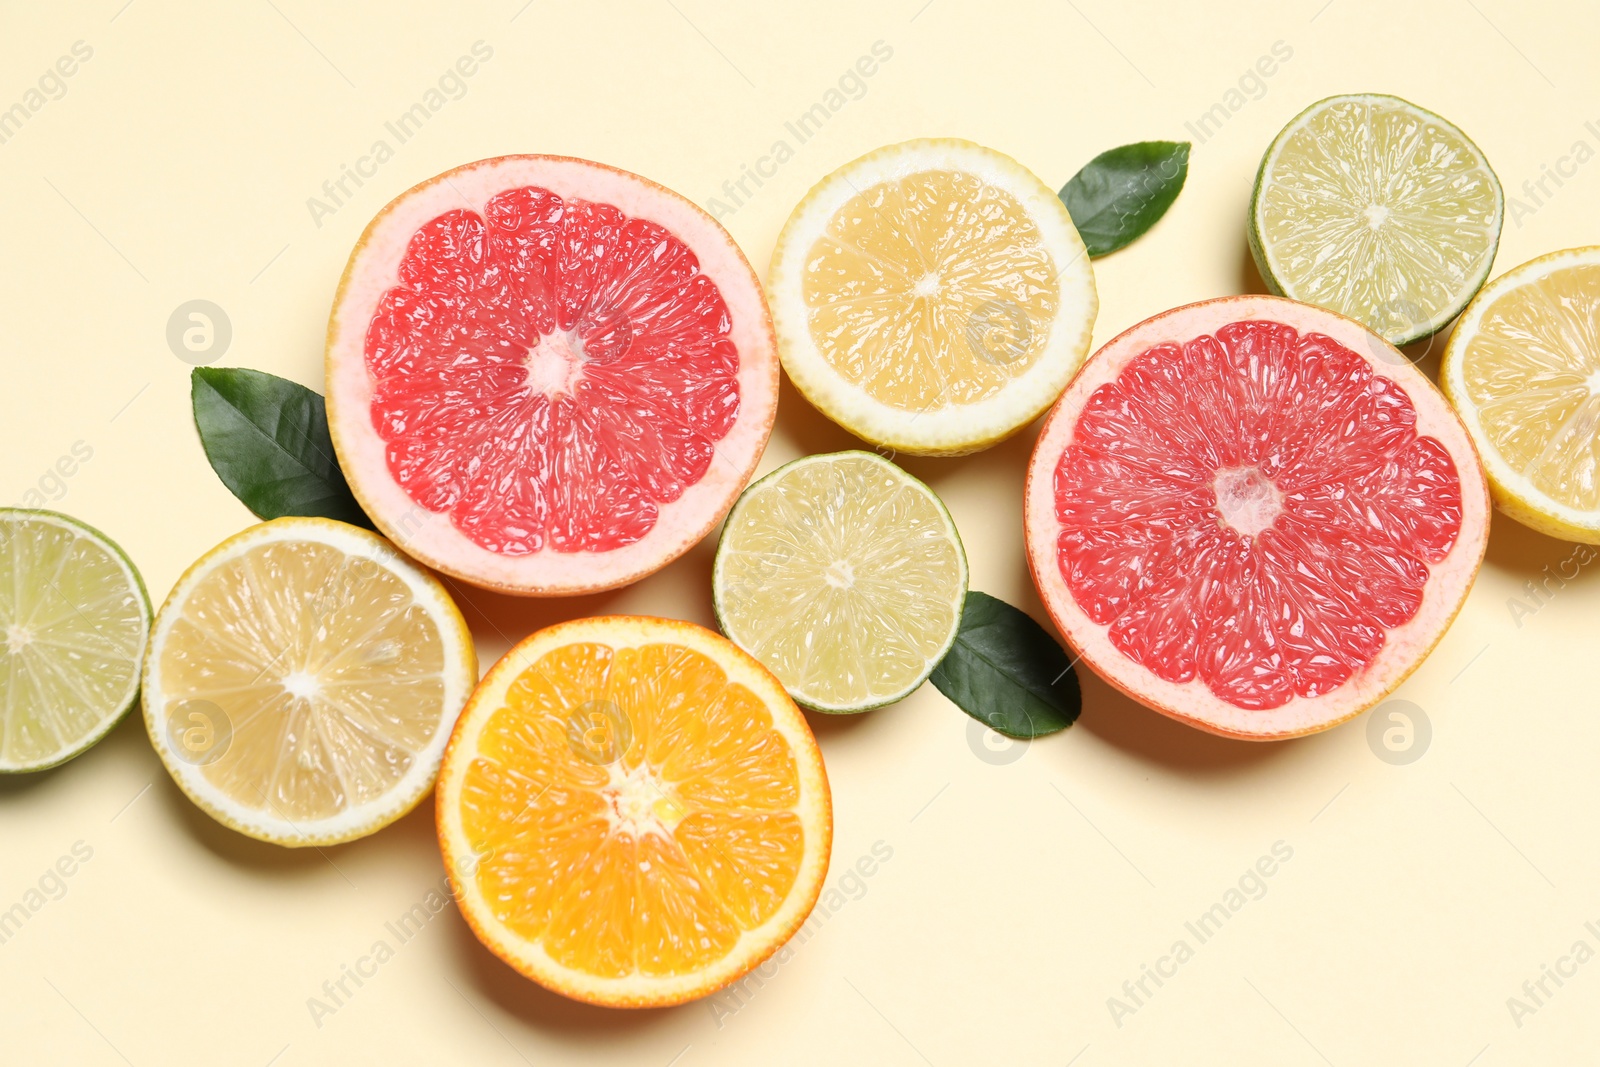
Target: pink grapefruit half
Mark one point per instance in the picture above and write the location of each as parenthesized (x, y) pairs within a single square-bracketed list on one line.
[(1254, 515), (547, 376)]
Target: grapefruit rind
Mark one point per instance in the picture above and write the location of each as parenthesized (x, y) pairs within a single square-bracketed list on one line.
[(635, 990), (358, 821), (430, 536), (120, 708), (720, 595), (957, 429), (1513, 492), (1405, 647)]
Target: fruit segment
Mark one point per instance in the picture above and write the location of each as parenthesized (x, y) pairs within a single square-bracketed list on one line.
[(550, 372), (1254, 509), (633, 809)]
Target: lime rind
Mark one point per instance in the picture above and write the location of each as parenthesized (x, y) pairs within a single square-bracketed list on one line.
[(119, 708), (722, 594), (1401, 327)]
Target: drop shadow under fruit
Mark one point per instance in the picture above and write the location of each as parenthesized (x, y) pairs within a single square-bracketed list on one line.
[(1249, 276), (808, 431), (347, 860), (479, 972), (1526, 554), (1119, 720)]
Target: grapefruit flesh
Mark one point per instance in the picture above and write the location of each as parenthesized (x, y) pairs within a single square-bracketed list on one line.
[(1254, 515), (548, 376)]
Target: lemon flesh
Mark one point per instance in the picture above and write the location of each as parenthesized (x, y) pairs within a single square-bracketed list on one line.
[(1375, 208), (73, 624), (945, 271), (844, 576), (1523, 370)]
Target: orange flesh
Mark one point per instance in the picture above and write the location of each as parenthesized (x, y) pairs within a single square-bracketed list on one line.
[(632, 810)]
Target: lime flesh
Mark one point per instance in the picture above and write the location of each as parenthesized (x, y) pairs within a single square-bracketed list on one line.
[(74, 619), (843, 575)]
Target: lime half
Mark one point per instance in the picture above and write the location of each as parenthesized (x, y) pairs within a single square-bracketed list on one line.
[(74, 617), (1375, 208), (845, 576)]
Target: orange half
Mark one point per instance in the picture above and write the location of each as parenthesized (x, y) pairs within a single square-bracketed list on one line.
[(633, 812)]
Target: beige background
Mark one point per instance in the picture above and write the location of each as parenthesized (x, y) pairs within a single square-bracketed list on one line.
[(1020, 895)]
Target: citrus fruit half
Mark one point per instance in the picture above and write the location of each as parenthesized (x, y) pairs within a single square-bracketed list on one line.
[(1254, 516), (548, 376), (1375, 208), (845, 576), (932, 296), (1523, 371), (74, 617), (302, 680), (633, 812)]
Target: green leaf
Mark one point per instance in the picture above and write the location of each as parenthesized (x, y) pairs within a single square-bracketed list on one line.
[(267, 439), (1008, 673), (1122, 193)]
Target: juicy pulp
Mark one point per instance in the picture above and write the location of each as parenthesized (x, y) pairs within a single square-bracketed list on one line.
[(1254, 509), (550, 372), (632, 809), (931, 290)]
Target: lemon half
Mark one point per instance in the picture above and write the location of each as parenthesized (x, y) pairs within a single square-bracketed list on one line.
[(302, 681), (932, 296), (1523, 371)]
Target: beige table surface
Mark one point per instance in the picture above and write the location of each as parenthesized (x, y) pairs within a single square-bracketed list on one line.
[(1024, 886)]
